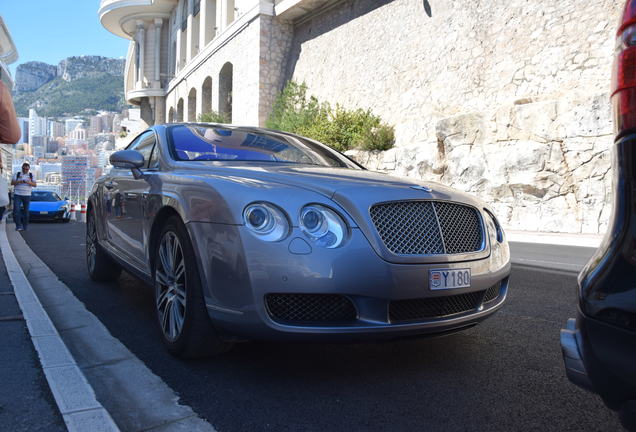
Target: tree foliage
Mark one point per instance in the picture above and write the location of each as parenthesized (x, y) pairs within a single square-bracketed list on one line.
[(337, 127), (212, 117)]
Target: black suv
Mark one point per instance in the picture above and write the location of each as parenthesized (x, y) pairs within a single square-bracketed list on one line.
[(599, 346)]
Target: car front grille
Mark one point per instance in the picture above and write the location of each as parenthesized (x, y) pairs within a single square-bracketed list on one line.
[(440, 307), (428, 227), (492, 293), (310, 308)]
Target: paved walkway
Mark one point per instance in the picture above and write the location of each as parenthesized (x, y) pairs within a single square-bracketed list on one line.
[(26, 403)]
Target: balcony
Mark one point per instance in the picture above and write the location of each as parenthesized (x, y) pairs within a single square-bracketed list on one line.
[(118, 16)]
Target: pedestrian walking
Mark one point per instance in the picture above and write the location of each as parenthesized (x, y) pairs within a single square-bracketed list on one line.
[(23, 182), (9, 134)]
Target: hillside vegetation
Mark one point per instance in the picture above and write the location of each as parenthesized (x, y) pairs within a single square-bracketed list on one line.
[(61, 98)]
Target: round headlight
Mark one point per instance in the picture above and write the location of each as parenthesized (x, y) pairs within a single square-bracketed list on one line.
[(322, 225), (258, 218), (314, 222), (266, 221)]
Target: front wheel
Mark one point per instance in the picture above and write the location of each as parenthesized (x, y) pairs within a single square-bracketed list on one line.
[(180, 308), (100, 266)]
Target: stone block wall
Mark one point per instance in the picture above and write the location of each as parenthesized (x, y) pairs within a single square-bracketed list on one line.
[(507, 99)]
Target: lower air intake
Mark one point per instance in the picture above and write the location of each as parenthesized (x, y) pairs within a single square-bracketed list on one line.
[(310, 308), (440, 307)]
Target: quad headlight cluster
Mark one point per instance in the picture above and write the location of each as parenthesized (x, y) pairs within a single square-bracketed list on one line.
[(320, 224)]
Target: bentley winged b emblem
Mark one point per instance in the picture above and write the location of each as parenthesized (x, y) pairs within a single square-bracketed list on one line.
[(422, 188)]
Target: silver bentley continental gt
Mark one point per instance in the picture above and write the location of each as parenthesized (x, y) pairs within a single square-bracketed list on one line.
[(248, 233)]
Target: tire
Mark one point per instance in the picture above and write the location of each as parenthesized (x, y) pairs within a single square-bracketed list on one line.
[(100, 266), (185, 326)]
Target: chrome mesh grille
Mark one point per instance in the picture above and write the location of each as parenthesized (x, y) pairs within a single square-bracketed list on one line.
[(434, 307), (444, 306), (412, 228), (461, 227), (492, 293)]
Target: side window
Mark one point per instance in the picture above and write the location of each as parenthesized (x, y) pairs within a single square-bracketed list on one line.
[(144, 145), (154, 159)]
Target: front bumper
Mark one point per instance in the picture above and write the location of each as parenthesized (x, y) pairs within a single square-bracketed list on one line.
[(240, 271), (50, 215)]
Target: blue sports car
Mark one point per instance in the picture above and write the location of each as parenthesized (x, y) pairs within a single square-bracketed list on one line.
[(48, 206)]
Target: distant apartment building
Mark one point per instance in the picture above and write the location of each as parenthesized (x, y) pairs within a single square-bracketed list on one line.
[(52, 145), (37, 125), (55, 178), (38, 144), (79, 133), (47, 168), (95, 126), (71, 124), (24, 130), (51, 187), (74, 176), (56, 129)]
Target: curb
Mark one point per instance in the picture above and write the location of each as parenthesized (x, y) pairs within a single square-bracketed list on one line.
[(562, 239), (135, 397), (73, 394)]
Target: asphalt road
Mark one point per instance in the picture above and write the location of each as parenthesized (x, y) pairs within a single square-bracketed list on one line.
[(504, 375), (556, 257)]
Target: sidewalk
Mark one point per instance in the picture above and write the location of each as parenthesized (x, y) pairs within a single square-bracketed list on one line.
[(26, 402), (563, 239)]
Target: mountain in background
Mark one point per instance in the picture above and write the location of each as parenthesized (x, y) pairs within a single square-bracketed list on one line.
[(75, 85)]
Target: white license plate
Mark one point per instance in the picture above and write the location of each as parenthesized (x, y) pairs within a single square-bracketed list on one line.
[(44, 212), (448, 278)]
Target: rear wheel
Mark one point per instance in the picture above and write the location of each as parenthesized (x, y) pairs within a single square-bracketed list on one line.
[(183, 319), (100, 266)]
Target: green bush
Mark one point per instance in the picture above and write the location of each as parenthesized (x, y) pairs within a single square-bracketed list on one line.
[(212, 117), (339, 128)]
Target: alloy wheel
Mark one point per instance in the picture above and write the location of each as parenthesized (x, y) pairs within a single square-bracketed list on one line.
[(91, 244), (170, 286)]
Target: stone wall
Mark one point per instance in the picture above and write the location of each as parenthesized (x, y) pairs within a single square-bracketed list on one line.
[(504, 98), (274, 45)]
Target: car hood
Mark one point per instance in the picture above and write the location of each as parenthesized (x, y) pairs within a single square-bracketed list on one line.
[(339, 184), (46, 205)]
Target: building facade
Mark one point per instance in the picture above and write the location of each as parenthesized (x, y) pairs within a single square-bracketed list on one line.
[(8, 55), (75, 176), (190, 57)]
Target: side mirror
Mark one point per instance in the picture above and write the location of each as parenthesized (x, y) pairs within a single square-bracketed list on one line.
[(128, 159)]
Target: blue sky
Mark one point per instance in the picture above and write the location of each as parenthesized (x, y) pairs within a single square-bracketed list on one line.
[(51, 30)]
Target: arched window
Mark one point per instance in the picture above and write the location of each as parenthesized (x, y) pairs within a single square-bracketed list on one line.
[(180, 110), (192, 105), (171, 115), (225, 91), (206, 96)]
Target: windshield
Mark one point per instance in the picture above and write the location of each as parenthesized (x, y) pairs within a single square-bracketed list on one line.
[(45, 196), (209, 143)]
